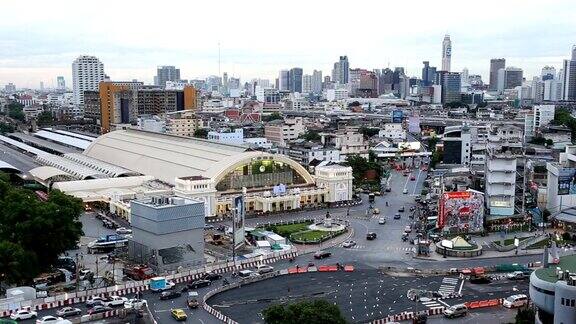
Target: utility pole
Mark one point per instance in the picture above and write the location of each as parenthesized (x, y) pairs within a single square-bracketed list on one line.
[(77, 273)]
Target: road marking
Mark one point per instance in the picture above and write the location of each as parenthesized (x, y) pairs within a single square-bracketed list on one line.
[(461, 285), (443, 303)]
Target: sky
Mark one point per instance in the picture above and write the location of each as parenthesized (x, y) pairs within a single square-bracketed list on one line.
[(39, 39)]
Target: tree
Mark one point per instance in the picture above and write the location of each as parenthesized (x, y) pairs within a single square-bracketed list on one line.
[(360, 166), (201, 133), (525, 316), (34, 233), (538, 140), (15, 111), (310, 312), (273, 116), (368, 131), (45, 118), (6, 128), (311, 135), (549, 142)]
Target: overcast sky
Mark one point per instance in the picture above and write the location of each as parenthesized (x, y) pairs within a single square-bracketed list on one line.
[(39, 39)]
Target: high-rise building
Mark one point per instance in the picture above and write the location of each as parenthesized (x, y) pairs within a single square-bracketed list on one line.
[(428, 74), (446, 53), (509, 78), (284, 80), (307, 83), (317, 82), (548, 73), (341, 70), (295, 84), (464, 76), (60, 83), (495, 66), (385, 81), (87, 73), (166, 73), (450, 85), (569, 77)]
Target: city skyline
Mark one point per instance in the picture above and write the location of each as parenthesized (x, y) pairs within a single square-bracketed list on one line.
[(44, 46)]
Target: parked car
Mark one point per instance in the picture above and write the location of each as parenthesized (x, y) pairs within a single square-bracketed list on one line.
[(245, 273), (405, 191), (211, 276), (322, 254), (397, 216), (405, 236), (401, 209), (123, 230), (170, 294), (23, 314), (94, 300), (135, 303), (456, 311), (407, 229), (49, 319), (370, 236), (348, 244), (382, 221), (515, 301), (199, 283), (264, 268), (97, 309), (208, 227), (178, 314), (114, 301), (516, 275), (68, 312)]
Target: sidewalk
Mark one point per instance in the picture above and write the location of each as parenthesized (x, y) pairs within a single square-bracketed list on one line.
[(485, 255)]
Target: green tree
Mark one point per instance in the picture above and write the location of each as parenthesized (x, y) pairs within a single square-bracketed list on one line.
[(16, 111), (35, 230), (311, 135), (525, 316), (549, 142), (201, 133), (6, 128), (45, 118), (309, 312), (272, 116), (360, 166), (538, 140), (368, 131)]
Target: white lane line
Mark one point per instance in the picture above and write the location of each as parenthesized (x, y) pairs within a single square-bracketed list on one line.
[(461, 285), (443, 303)]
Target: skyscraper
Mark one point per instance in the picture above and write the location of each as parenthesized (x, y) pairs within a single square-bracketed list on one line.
[(87, 73), (317, 82), (60, 83), (166, 73), (295, 83), (428, 74), (509, 78), (341, 70), (569, 77), (495, 65), (446, 53), (307, 83), (284, 80), (450, 85)]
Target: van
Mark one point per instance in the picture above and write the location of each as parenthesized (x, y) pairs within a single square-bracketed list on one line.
[(245, 273), (456, 311), (515, 301)]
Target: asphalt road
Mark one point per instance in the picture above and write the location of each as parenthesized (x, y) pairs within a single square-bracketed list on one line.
[(19, 160)]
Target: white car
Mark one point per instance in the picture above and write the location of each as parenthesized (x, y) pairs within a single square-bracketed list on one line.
[(405, 191), (49, 319), (382, 221), (94, 300), (114, 301), (264, 268), (123, 230), (348, 244), (135, 303), (23, 314), (515, 301)]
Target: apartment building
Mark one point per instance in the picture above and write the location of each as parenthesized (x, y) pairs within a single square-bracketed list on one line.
[(280, 132)]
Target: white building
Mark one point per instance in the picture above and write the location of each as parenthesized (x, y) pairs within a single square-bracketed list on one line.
[(183, 123), (258, 142), (446, 53), (152, 124), (541, 116), (87, 73), (280, 132), (348, 142), (336, 94), (317, 82), (235, 137), (215, 106), (337, 179), (307, 83), (393, 131)]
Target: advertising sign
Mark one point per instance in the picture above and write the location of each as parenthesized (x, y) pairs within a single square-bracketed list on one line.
[(566, 181), (239, 221), (414, 124), (397, 116), (461, 211)]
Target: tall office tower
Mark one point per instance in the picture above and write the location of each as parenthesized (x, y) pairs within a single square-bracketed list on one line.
[(385, 81), (225, 83), (548, 73), (60, 83), (450, 85), (317, 82), (307, 83), (428, 74), (569, 78), (495, 65), (446, 53), (509, 78), (87, 73), (284, 80), (341, 70), (464, 76), (398, 72), (295, 82), (167, 73)]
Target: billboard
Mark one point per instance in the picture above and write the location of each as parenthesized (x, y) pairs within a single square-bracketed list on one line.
[(397, 116), (239, 221), (461, 211), (566, 181), (414, 124)]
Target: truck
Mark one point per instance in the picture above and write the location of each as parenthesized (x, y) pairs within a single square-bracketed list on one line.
[(107, 243), (477, 275), (158, 284), (138, 272)]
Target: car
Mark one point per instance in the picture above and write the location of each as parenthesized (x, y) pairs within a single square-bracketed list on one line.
[(407, 229), (264, 268), (178, 314), (23, 314), (322, 254), (405, 174), (94, 300), (199, 283), (123, 230), (401, 209), (49, 319), (516, 275), (376, 211), (412, 208), (208, 227), (397, 216), (370, 236), (245, 273), (348, 244), (68, 312), (114, 301), (85, 274), (405, 191), (211, 276), (515, 301), (456, 311), (170, 294), (97, 309), (388, 189), (135, 303), (412, 178), (382, 221)]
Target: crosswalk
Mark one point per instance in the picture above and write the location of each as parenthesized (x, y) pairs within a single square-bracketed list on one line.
[(448, 285), (432, 304)]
